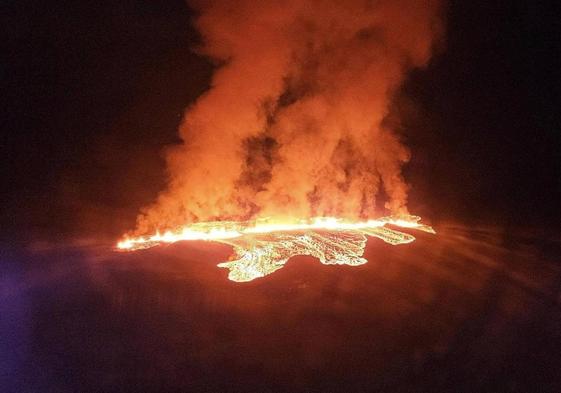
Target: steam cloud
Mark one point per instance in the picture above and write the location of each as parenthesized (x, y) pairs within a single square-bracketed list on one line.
[(293, 122)]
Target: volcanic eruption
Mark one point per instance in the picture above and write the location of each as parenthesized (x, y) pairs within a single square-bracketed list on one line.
[(288, 152)]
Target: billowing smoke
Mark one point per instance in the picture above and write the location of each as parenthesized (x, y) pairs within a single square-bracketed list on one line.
[(293, 123)]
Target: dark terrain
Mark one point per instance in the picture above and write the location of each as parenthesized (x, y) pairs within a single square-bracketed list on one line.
[(465, 310)]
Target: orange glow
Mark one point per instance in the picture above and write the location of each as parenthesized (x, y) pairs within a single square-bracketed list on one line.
[(263, 246), (216, 231), (297, 122)]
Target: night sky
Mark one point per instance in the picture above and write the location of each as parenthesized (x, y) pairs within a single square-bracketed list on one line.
[(94, 91)]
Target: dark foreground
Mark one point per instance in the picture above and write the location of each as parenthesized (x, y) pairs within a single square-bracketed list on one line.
[(466, 310)]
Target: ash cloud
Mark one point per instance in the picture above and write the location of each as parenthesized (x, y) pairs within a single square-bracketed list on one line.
[(293, 123)]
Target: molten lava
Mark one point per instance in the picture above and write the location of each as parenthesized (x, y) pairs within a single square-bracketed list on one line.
[(297, 121), (264, 246)]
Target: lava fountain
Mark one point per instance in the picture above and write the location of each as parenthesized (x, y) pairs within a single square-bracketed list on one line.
[(295, 125)]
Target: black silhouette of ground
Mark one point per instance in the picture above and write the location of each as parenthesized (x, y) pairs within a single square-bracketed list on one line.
[(465, 310)]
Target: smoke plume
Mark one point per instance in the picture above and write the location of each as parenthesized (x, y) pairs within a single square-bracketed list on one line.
[(292, 125)]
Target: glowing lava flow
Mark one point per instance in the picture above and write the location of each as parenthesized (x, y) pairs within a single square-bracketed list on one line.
[(261, 247)]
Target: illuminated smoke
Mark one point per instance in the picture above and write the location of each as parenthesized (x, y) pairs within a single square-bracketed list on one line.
[(292, 124)]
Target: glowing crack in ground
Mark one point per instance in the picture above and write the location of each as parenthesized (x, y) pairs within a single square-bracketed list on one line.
[(262, 247)]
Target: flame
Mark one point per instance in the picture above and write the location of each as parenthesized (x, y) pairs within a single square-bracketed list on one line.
[(264, 245)]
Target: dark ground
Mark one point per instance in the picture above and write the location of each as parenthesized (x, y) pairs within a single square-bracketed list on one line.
[(466, 310), (92, 91)]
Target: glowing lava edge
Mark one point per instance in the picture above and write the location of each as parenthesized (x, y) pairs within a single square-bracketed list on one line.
[(262, 246)]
